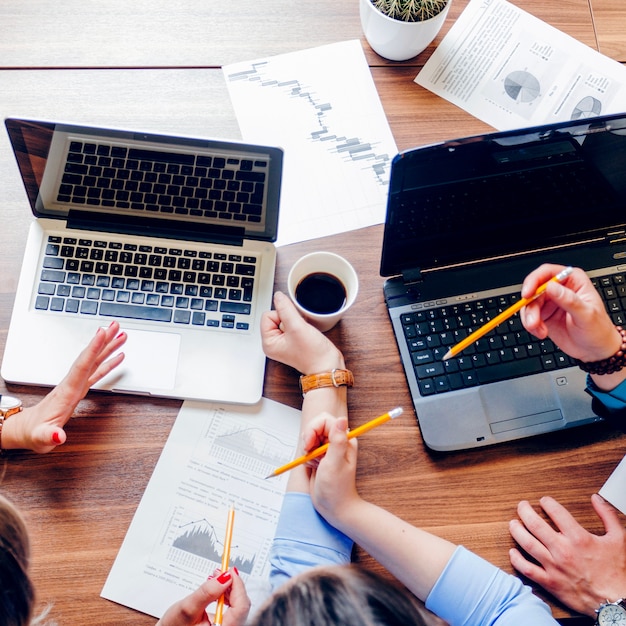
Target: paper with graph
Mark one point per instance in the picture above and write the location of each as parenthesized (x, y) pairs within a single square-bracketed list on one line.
[(321, 106), (215, 456)]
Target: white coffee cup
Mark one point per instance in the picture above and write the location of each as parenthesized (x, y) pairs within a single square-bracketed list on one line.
[(323, 286)]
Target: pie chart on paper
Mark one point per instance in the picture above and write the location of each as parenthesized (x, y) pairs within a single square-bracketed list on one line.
[(522, 86), (587, 107)]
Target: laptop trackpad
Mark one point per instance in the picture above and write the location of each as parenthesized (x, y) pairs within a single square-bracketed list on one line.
[(526, 402), (150, 363)]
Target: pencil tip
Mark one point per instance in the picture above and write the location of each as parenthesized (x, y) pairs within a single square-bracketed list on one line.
[(447, 355), (269, 476)]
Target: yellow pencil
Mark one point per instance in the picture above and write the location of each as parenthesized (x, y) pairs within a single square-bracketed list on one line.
[(359, 430), (502, 317), (219, 612)]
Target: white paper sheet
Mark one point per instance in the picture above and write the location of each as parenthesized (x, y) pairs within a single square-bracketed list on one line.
[(321, 106), (512, 70), (614, 489), (215, 456)]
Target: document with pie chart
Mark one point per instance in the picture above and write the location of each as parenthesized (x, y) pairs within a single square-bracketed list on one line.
[(512, 70)]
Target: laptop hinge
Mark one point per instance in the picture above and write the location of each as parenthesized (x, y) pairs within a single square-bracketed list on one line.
[(155, 227), (412, 276)]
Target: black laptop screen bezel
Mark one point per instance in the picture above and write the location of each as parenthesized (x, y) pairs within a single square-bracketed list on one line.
[(503, 233)]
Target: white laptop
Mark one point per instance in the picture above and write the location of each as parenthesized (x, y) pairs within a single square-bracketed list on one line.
[(171, 236)]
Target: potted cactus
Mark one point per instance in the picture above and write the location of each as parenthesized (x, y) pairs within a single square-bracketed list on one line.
[(400, 29)]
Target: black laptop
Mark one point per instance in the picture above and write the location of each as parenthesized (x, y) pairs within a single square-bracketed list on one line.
[(467, 220)]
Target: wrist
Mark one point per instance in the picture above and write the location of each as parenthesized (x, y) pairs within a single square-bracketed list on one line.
[(607, 364), (330, 360), (11, 433)]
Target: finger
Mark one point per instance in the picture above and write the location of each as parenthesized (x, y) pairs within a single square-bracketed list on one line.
[(539, 276), (286, 310), (561, 517), (88, 367), (104, 368), (209, 591), (270, 320), (528, 542), (239, 602), (527, 568), (536, 534), (607, 514), (46, 437)]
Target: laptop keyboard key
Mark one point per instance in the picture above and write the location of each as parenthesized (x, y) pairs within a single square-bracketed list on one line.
[(130, 311)]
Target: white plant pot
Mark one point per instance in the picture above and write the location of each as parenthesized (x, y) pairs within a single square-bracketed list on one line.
[(397, 40)]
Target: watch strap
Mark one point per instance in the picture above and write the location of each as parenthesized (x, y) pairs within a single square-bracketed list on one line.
[(334, 378)]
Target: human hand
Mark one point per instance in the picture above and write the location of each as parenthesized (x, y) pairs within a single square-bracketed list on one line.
[(572, 314), (40, 428), (333, 483), (291, 340), (191, 610), (577, 567)]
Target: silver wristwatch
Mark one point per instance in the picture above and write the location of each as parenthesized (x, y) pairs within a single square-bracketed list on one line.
[(612, 613)]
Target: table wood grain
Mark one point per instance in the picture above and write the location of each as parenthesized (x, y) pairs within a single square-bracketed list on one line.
[(59, 62), (212, 33)]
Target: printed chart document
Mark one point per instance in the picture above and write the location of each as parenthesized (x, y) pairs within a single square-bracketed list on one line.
[(512, 70), (614, 489), (321, 106), (215, 456)]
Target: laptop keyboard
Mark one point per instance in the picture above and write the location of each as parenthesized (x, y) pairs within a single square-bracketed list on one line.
[(159, 182), (509, 351), (173, 285)]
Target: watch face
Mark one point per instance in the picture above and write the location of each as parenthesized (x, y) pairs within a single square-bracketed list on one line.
[(612, 614), (9, 402)]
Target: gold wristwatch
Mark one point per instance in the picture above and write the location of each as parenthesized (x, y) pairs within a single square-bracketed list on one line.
[(8, 406), (334, 378)]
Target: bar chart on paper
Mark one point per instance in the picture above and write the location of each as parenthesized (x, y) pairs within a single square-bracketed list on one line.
[(321, 106)]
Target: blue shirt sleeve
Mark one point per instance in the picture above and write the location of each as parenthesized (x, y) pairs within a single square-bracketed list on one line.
[(614, 400), (303, 540), (473, 592)]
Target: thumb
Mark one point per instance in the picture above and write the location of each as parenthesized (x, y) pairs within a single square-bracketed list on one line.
[(286, 309), (337, 442), (607, 514)]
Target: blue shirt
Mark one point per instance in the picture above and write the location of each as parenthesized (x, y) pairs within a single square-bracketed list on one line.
[(614, 400), (469, 592)]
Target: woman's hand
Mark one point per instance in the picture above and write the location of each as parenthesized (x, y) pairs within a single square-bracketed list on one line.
[(40, 428), (291, 340), (572, 314), (191, 610), (333, 484)]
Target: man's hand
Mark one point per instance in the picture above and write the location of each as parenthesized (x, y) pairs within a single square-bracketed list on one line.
[(577, 567)]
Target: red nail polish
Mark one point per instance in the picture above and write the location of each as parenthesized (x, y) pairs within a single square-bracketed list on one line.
[(120, 335), (224, 578), (55, 437), (236, 570)]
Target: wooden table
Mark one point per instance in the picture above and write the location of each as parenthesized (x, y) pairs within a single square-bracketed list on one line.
[(155, 65)]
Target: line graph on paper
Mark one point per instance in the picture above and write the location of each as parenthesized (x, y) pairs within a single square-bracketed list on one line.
[(321, 106), (242, 445), (317, 120), (192, 541)]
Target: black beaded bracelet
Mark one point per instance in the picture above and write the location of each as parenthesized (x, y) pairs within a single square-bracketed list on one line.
[(612, 364)]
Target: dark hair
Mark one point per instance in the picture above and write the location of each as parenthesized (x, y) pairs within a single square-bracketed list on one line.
[(17, 594), (342, 596)]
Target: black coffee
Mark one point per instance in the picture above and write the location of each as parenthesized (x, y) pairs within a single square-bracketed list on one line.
[(321, 293)]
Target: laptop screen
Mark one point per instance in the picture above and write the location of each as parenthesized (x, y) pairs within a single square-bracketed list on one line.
[(503, 194), (138, 182)]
